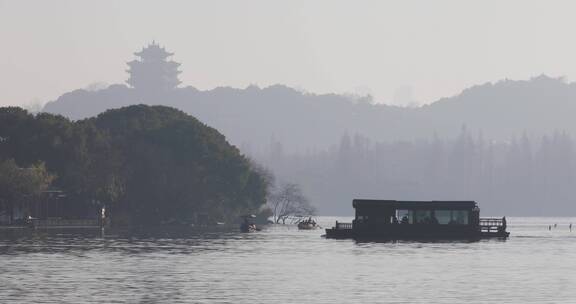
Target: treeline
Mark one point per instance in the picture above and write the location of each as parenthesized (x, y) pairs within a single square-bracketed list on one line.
[(523, 176), (145, 164)]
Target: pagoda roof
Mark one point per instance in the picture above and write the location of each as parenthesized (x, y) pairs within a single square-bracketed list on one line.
[(153, 50)]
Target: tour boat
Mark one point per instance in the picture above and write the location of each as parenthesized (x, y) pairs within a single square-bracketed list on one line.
[(398, 220)]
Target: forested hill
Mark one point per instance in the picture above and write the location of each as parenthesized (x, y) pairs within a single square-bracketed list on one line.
[(145, 164), (506, 109), (252, 117)]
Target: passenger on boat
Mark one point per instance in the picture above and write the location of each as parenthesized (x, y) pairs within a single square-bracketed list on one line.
[(405, 219)]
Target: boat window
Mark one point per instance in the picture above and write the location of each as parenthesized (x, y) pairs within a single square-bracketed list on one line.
[(443, 216), (460, 217), (423, 216), (451, 217)]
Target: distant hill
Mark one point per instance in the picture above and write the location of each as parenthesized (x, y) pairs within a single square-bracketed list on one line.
[(506, 108), (253, 117)]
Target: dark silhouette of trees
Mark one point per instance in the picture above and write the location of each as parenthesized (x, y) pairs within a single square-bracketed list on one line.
[(147, 165)]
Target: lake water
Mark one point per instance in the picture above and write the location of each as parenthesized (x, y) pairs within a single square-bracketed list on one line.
[(283, 265)]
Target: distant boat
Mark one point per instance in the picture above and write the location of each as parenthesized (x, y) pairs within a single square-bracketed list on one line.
[(308, 224), (418, 220), (248, 224)]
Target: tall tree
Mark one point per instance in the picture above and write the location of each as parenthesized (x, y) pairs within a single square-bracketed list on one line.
[(289, 202)]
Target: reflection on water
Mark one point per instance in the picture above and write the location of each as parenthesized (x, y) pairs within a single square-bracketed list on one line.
[(283, 265)]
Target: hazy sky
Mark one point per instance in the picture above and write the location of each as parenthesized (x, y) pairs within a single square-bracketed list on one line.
[(395, 50)]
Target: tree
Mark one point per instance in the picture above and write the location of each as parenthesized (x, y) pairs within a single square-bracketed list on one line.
[(19, 184), (169, 167), (289, 202)]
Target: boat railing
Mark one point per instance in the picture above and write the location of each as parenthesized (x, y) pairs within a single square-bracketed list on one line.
[(343, 226), (492, 224)]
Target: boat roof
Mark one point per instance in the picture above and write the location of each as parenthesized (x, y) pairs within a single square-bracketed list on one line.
[(394, 204)]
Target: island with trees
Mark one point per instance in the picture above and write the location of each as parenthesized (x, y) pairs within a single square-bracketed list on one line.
[(143, 165)]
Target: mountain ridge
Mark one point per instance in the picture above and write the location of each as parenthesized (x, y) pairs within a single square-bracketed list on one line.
[(254, 116)]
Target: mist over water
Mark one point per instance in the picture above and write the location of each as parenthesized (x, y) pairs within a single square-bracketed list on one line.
[(283, 265), (170, 117)]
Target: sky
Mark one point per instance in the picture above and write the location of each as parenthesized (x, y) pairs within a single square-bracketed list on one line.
[(401, 52)]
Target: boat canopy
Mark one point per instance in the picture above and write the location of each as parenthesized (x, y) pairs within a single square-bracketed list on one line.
[(413, 205)]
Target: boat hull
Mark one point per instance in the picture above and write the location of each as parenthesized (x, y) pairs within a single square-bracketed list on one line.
[(334, 233), (307, 227)]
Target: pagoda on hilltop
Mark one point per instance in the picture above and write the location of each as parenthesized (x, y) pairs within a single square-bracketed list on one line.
[(153, 71)]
